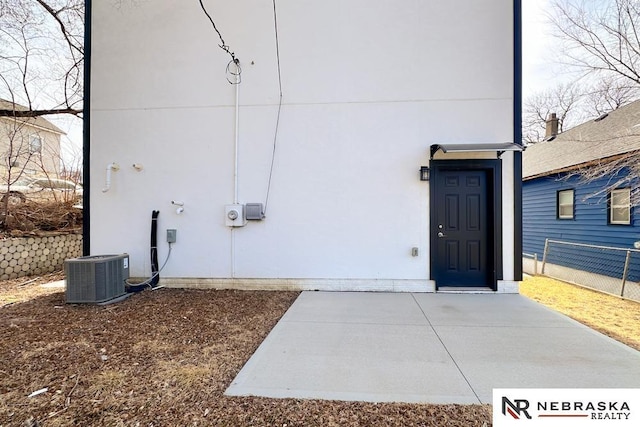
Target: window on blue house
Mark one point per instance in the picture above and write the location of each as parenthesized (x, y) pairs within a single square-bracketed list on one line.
[(620, 206), (565, 204)]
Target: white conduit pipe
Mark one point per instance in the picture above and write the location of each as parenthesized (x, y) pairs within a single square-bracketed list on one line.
[(110, 167), (235, 170)]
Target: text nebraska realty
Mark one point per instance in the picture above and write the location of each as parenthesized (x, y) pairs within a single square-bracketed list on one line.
[(596, 410)]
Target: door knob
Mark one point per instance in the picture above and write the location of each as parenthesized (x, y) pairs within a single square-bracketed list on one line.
[(440, 234)]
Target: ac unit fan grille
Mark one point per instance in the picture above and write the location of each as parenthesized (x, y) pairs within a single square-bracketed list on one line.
[(96, 279)]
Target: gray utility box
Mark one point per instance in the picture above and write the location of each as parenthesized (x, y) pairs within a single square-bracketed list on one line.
[(254, 211), (97, 278)]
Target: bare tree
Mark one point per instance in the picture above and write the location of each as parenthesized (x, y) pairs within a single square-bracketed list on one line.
[(620, 171), (16, 157), (600, 36), (609, 94), (41, 74), (563, 100), (574, 103), (600, 39), (41, 56), (600, 44)]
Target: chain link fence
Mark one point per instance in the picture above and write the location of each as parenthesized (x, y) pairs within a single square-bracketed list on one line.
[(603, 268), (530, 264)]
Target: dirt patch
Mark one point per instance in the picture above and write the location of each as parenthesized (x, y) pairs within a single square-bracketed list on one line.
[(164, 358), (25, 288)]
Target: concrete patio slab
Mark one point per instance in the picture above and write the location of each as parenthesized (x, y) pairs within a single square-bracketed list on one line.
[(435, 348), (356, 307), (474, 310), (56, 284)]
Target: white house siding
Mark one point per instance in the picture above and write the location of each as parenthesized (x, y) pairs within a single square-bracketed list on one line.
[(367, 86)]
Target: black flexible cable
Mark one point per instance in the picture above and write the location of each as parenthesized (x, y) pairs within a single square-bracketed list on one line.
[(223, 45), (154, 248)]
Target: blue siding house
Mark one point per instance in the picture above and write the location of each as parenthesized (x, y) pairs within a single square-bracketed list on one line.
[(559, 204)]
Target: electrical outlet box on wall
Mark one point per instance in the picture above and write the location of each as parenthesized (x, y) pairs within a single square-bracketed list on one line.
[(234, 215)]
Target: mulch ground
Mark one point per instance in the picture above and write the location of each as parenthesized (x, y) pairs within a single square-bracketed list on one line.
[(162, 358)]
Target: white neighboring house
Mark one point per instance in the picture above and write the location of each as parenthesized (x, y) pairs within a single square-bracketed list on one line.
[(28, 146), (372, 90)]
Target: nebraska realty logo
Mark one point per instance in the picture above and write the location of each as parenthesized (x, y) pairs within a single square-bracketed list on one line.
[(566, 407)]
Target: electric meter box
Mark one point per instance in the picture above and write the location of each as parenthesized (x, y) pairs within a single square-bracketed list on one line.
[(234, 215)]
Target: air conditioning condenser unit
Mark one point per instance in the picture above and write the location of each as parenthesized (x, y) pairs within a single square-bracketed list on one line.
[(96, 278)]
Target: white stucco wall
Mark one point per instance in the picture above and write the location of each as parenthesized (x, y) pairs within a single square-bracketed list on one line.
[(368, 86)]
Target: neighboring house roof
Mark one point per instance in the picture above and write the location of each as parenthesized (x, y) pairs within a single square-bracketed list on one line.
[(617, 133), (33, 121)]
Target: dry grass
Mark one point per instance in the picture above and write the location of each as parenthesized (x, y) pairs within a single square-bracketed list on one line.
[(613, 316)]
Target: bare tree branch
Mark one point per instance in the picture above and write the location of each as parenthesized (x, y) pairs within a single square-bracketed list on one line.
[(608, 95), (39, 113), (563, 100), (42, 54), (614, 172), (600, 36), (41, 74), (72, 43)]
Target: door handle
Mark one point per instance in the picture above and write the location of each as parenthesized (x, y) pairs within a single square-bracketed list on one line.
[(440, 234)]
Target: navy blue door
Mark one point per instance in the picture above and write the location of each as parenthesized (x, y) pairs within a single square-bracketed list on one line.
[(461, 227)]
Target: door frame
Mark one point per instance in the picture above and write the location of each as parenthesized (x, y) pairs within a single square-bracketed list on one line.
[(493, 168)]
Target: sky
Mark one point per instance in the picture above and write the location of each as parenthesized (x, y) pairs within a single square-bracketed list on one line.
[(538, 66)]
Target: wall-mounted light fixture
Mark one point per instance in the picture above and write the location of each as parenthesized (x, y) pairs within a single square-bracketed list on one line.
[(424, 173)]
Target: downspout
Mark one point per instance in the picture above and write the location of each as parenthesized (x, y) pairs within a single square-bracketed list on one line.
[(86, 133), (517, 138)]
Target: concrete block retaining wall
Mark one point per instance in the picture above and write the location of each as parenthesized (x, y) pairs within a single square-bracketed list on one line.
[(26, 256)]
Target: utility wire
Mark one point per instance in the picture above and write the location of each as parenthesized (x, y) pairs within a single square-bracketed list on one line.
[(225, 47), (275, 136), (275, 26)]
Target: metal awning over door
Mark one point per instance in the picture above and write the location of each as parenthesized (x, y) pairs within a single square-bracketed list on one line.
[(499, 147)]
